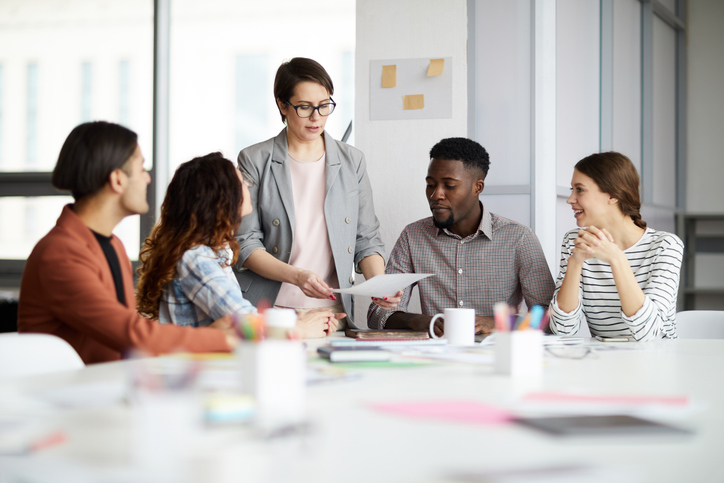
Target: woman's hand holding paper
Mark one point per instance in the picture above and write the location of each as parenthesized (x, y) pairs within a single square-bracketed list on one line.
[(313, 286)]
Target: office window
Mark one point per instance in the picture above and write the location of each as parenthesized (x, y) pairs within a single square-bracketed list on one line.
[(251, 107), (224, 56), (664, 114), (30, 218), (503, 103), (62, 64), (31, 147), (626, 76), (69, 73), (86, 92), (124, 92)]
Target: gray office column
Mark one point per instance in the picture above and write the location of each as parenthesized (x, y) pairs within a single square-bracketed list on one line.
[(161, 58), (543, 120), (606, 113), (647, 101), (681, 107)]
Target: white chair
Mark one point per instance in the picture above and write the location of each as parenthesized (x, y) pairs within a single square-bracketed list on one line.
[(31, 354), (700, 324)]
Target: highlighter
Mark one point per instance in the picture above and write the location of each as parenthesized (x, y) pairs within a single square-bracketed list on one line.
[(500, 311), (536, 314)]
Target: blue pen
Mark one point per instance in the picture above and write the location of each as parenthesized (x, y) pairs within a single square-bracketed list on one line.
[(536, 314)]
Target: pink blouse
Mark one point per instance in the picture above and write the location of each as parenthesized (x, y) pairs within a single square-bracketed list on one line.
[(310, 248)]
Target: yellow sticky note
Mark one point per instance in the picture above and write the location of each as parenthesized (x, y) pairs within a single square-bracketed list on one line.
[(416, 101), (435, 67), (389, 75)]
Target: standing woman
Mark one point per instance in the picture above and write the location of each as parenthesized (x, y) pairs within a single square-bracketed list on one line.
[(313, 222), (616, 274)]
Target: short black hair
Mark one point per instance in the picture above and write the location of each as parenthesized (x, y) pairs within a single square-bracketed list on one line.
[(472, 154), (90, 153), (295, 71)]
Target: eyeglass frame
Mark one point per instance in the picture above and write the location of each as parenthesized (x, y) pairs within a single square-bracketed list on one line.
[(314, 108)]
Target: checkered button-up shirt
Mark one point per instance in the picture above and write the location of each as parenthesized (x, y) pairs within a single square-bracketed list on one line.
[(501, 262), (203, 290)]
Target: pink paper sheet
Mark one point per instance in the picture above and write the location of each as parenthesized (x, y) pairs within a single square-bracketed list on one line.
[(455, 411)]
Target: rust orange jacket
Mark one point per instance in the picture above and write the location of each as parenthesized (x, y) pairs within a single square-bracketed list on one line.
[(68, 291)]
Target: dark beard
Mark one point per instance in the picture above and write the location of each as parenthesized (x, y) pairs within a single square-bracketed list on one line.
[(442, 224)]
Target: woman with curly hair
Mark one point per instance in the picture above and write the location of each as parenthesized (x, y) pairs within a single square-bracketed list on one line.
[(186, 276)]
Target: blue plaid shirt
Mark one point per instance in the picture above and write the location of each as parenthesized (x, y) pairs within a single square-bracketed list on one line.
[(204, 289)]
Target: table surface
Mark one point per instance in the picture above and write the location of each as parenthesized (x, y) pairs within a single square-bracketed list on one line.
[(347, 440)]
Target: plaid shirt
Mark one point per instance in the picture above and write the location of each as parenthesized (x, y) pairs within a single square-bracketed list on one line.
[(204, 290), (501, 262)]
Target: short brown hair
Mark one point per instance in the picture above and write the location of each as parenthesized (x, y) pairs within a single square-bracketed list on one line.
[(297, 70), (615, 175)]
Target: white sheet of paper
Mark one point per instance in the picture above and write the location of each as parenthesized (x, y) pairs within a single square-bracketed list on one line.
[(384, 285)]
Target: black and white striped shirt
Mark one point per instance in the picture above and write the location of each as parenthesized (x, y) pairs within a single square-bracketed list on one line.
[(656, 263)]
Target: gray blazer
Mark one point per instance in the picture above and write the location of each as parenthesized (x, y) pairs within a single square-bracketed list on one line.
[(351, 222)]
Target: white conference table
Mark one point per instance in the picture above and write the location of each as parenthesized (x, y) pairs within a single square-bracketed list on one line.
[(348, 441)]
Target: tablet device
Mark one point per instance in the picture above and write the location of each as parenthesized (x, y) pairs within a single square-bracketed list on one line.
[(610, 425)]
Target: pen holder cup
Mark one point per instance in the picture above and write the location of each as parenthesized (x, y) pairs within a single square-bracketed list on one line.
[(274, 373), (166, 415), (519, 353)]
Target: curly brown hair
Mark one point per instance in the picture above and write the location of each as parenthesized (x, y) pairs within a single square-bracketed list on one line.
[(202, 207)]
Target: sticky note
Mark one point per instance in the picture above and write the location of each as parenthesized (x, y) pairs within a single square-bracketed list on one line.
[(435, 67), (389, 75), (416, 101)]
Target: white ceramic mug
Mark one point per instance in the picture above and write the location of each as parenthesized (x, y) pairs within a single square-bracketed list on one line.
[(459, 326)]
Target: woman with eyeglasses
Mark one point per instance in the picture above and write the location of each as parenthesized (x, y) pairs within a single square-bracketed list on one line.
[(313, 223)]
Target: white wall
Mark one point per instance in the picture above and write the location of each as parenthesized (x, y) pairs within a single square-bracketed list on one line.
[(705, 110), (397, 152)]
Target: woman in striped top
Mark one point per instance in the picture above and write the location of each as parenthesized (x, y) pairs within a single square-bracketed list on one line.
[(619, 276)]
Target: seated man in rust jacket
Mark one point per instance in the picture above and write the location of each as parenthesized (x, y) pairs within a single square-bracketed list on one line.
[(78, 282)]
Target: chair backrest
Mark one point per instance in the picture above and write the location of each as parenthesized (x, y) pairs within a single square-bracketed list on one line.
[(700, 324), (31, 354)]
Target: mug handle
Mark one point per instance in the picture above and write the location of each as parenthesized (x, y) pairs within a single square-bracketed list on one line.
[(432, 326)]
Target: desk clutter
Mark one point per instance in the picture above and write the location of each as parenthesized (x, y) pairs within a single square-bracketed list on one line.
[(279, 397)]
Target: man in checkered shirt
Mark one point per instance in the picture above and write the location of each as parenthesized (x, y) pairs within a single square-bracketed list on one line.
[(478, 257)]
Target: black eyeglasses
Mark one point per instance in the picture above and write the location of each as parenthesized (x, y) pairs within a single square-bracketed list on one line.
[(304, 111)]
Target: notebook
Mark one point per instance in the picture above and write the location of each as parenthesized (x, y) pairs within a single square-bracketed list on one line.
[(608, 425), (354, 354), (380, 335)]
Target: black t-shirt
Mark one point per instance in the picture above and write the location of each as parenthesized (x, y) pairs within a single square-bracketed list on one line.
[(112, 258)]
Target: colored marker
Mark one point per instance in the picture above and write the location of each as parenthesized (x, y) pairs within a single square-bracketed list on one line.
[(525, 323), (500, 310), (536, 315)]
